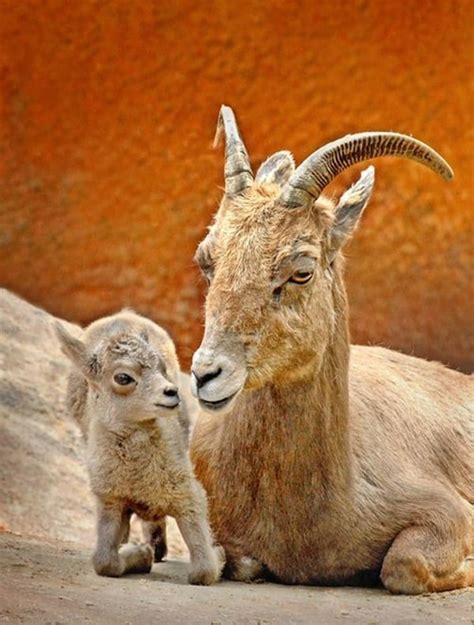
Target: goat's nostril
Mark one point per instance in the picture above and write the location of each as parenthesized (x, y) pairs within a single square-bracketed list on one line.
[(207, 377), (170, 392)]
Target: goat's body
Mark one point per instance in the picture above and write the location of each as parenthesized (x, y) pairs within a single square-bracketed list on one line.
[(316, 499), (319, 469), (137, 445)]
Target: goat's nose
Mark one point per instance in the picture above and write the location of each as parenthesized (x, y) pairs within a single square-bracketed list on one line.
[(170, 391), (203, 378)]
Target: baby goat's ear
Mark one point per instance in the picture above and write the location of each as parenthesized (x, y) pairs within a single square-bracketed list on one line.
[(277, 169), (73, 348), (349, 210)]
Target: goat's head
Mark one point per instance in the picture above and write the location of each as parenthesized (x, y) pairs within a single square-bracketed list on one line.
[(131, 381), (271, 259)]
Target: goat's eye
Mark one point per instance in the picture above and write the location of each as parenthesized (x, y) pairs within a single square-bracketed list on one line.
[(123, 379), (301, 277), (205, 262)]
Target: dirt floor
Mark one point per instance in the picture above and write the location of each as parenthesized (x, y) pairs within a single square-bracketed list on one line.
[(52, 583), (47, 526)]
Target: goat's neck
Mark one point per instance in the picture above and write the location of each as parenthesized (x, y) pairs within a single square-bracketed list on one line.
[(302, 428), (103, 422)]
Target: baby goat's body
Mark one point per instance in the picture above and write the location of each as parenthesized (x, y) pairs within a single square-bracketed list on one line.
[(152, 474), (125, 400)]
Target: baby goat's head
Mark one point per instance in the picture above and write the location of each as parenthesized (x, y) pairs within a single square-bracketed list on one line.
[(272, 260), (131, 379)]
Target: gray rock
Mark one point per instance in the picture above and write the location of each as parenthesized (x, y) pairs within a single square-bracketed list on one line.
[(43, 481)]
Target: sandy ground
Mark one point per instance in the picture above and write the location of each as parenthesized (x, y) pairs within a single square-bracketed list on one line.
[(52, 583)]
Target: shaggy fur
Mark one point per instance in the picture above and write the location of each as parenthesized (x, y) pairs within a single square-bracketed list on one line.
[(137, 445), (327, 464)]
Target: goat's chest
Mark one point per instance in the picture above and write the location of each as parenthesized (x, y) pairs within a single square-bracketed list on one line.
[(279, 515), (150, 473)]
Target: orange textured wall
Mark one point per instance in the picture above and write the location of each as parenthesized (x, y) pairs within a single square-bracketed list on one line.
[(108, 178)]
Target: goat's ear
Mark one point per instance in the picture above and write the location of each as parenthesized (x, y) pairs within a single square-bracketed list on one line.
[(277, 169), (349, 210), (73, 348)]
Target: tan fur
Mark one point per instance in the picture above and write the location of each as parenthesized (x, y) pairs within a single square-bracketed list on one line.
[(137, 448), (331, 463)]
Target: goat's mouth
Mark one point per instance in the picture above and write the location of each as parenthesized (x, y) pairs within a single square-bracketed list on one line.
[(217, 405), (170, 406)]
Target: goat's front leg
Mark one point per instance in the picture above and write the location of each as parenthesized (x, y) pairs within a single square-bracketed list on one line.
[(207, 559), (109, 558)]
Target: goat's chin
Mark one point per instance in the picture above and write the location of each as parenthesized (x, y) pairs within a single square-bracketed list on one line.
[(166, 412), (219, 407)]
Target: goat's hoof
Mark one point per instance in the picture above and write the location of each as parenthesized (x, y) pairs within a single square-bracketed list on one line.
[(204, 576), (209, 572), (405, 575), (107, 568), (138, 558), (160, 550), (245, 569)]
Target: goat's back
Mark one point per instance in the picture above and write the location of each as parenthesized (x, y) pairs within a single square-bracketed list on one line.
[(412, 415)]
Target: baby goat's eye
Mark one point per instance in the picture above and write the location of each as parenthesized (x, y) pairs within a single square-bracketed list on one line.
[(301, 277), (123, 379)]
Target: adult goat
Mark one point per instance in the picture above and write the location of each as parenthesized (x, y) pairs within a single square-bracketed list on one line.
[(324, 463)]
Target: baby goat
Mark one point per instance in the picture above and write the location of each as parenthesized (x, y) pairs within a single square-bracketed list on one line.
[(124, 395)]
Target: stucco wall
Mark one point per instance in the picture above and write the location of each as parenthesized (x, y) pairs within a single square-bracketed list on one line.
[(108, 178)]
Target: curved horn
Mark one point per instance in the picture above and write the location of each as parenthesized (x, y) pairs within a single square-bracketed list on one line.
[(237, 169), (319, 169)]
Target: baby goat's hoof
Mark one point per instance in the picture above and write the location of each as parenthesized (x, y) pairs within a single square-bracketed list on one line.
[(137, 558), (110, 566), (160, 550), (205, 575)]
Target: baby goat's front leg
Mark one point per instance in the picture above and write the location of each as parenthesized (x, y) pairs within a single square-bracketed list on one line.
[(109, 558), (207, 560)]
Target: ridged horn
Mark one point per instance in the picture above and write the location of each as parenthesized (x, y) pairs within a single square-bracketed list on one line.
[(238, 173), (319, 169)]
